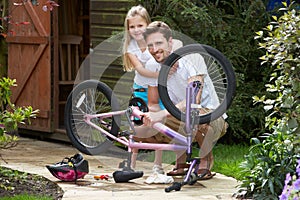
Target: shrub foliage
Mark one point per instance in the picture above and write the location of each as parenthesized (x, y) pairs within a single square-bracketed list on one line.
[(10, 115), (271, 158)]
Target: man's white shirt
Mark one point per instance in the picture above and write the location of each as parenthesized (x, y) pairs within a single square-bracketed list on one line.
[(188, 66)]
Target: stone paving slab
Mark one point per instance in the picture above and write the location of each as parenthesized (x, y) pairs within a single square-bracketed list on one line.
[(31, 156)]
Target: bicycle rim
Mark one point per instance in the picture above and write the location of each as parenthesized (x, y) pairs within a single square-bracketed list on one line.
[(90, 97)]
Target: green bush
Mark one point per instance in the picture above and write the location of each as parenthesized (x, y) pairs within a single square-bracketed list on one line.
[(10, 115), (269, 160), (228, 26)]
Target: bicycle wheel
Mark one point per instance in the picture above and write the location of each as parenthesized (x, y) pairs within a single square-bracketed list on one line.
[(90, 97), (219, 78)]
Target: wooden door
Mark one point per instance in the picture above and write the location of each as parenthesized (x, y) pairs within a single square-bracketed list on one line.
[(29, 59)]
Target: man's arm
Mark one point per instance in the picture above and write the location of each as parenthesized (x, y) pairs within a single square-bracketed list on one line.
[(155, 114), (153, 99)]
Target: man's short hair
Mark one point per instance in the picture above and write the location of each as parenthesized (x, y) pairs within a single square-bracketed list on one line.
[(160, 27)]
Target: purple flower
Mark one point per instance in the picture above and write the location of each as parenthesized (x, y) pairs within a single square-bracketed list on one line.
[(288, 178), (297, 184), (289, 191), (283, 196), (298, 168)]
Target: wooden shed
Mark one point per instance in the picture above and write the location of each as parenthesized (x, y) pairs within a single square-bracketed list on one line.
[(46, 49)]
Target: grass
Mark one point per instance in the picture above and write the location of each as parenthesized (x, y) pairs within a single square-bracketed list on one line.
[(227, 158), (25, 197)]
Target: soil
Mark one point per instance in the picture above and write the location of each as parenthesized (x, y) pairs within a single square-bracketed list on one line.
[(14, 182)]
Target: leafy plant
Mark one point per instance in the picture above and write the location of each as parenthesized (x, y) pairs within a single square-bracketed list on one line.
[(265, 166), (275, 156), (10, 115)]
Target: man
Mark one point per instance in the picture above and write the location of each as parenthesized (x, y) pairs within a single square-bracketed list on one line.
[(158, 37)]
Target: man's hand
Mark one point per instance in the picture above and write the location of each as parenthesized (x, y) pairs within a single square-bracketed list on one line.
[(151, 118)]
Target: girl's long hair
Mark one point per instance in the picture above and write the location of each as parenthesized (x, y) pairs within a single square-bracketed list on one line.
[(134, 11)]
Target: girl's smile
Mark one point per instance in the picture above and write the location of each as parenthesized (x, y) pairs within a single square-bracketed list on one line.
[(136, 27)]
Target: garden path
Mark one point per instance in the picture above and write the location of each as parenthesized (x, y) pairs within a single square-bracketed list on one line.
[(31, 156)]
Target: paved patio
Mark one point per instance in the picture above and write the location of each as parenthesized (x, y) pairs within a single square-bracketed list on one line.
[(31, 155)]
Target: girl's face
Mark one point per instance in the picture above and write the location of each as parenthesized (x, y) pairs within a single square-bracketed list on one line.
[(136, 27)]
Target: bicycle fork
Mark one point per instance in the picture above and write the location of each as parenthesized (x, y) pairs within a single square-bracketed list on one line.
[(191, 98)]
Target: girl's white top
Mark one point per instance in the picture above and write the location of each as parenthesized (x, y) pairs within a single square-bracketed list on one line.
[(143, 57)]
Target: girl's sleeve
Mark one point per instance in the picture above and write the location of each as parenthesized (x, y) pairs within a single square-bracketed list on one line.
[(153, 66)]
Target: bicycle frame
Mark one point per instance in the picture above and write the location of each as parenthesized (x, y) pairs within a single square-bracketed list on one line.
[(181, 143)]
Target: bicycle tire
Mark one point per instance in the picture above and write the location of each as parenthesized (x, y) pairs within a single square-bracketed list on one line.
[(219, 62), (90, 97)]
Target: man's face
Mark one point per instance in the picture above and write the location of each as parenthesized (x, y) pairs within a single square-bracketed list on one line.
[(159, 46)]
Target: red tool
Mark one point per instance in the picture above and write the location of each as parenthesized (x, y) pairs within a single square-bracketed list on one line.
[(101, 177)]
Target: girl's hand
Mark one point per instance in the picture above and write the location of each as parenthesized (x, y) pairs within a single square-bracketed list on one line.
[(173, 69)]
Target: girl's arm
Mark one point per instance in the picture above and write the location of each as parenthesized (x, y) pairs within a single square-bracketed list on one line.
[(138, 66)]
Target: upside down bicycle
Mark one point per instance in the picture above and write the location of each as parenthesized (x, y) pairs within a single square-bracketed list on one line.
[(93, 118)]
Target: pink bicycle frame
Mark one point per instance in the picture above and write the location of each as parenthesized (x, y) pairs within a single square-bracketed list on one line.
[(180, 142)]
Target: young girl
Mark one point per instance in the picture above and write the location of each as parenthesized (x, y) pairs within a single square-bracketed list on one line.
[(135, 53), (135, 56)]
